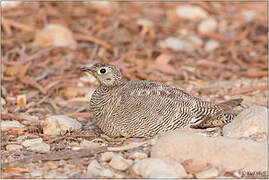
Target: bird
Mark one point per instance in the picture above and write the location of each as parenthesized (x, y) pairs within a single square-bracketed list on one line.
[(142, 108)]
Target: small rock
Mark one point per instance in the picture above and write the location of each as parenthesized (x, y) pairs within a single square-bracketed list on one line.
[(20, 139), (145, 22), (55, 125), (107, 156), (208, 25), (119, 163), (36, 174), (21, 100), (30, 142), (89, 144), (96, 170), (248, 15), (54, 35), (158, 168), (228, 153), (191, 12), (6, 125), (210, 173), (39, 147), (211, 45), (192, 167), (176, 44), (138, 155), (249, 122), (13, 147)]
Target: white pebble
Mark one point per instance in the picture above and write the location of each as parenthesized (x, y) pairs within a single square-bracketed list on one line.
[(208, 25)]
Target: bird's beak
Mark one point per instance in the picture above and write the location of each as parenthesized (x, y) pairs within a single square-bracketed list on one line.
[(85, 69)]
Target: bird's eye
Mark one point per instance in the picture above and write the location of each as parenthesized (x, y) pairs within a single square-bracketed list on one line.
[(102, 71)]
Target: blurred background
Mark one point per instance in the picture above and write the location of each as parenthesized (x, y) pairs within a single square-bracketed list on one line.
[(213, 50)]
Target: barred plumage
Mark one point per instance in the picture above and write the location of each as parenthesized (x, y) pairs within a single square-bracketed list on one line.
[(144, 108)]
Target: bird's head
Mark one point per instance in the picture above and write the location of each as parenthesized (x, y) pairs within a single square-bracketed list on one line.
[(107, 74)]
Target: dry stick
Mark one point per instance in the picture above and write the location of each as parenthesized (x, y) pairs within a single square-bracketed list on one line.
[(82, 37), (72, 154), (37, 54), (247, 90), (18, 25)]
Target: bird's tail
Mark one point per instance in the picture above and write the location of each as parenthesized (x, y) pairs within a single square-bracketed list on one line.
[(223, 117)]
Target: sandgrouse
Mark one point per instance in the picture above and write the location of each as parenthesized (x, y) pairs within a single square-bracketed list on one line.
[(143, 108)]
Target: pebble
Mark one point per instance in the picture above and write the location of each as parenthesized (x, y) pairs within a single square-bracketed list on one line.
[(248, 15), (39, 147), (158, 168), (138, 155), (211, 45), (96, 170), (13, 147), (30, 142), (191, 12), (107, 156), (145, 22), (208, 25), (55, 125), (89, 144), (249, 122), (119, 163), (176, 44), (54, 35), (228, 153), (210, 173), (6, 125)]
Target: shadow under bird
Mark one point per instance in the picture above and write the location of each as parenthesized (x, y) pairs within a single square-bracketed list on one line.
[(142, 108)]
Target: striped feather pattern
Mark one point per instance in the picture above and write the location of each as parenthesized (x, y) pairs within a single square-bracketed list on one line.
[(145, 108)]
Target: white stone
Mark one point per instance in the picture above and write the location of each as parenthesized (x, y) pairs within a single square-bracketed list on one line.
[(54, 35), (228, 153), (176, 44), (55, 125), (6, 125), (249, 122), (119, 163), (39, 147), (208, 25), (248, 15), (145, 22), (13, 147), (191, 12), (96, 170), (211, 45), (89, 144), (158, 168), (210, 173), (107, 156), (30, 142), (138, 155)]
